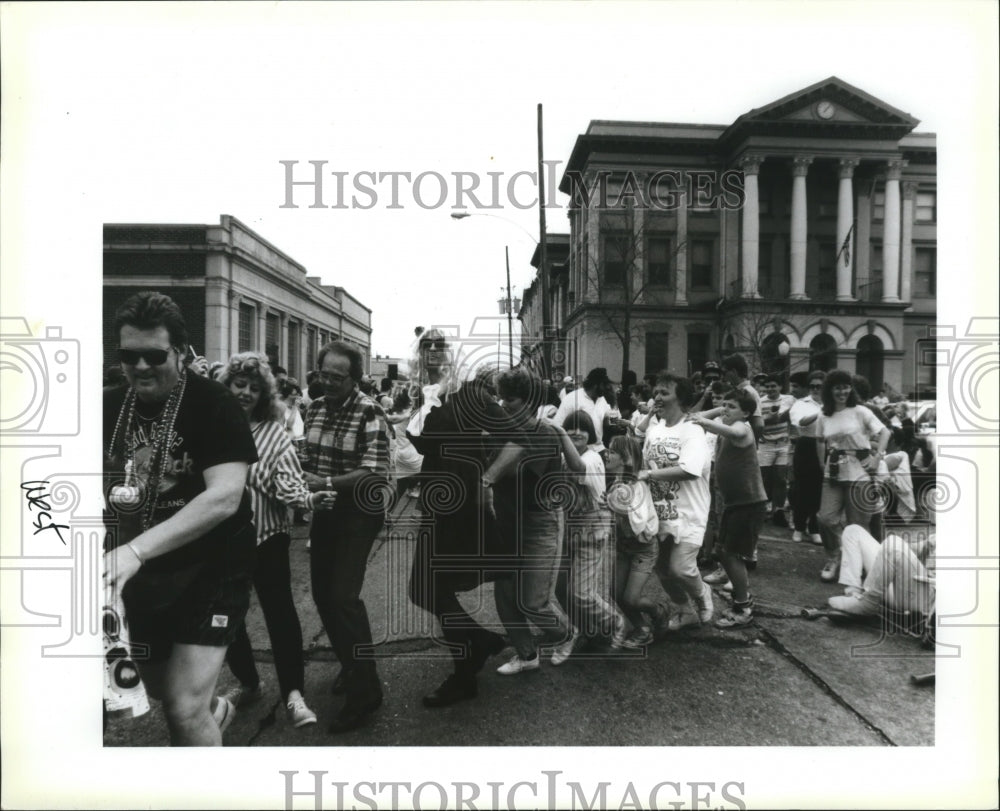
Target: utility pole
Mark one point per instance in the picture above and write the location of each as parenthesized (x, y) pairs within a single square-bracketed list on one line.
[(510, 311), (543, 265)]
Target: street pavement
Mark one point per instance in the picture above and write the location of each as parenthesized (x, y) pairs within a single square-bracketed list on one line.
[(783, 681)]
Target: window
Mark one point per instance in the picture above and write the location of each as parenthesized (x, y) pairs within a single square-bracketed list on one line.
[(827, 204), (245, 339), (272, 326), (822, 353), (702, 265), (878, 206), (698, 343), (615, 255), (765, 270), (925, 271), (656, 352), (827, 269), (926, 368), (926, 210), (870, 287), (658, 256), (869, 363), (293, 349), (311, 349)]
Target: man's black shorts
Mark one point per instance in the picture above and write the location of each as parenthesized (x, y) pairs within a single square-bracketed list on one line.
[(740, 528)]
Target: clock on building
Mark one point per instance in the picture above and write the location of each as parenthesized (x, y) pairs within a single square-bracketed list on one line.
[(824, 109)]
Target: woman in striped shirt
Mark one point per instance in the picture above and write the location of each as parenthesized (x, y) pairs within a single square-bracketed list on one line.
[(275, 483)]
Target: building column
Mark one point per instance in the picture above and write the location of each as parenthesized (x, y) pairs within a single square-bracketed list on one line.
[(681, 271), (800, 167), (906, 243), (845, 228), (890, 232), (750, 242)]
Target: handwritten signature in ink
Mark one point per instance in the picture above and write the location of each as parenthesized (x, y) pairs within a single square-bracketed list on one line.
[(38, 501)]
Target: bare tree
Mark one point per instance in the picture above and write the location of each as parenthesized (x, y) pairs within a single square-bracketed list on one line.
[(619, 272), (756, 332)]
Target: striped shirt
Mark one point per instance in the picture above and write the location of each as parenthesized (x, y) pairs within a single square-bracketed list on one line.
[(275, 480), (341, 439)]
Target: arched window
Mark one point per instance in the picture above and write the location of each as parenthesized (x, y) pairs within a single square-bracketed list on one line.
[(822, 353), (870, 361)]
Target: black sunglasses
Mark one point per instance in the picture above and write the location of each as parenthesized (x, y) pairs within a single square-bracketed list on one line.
[(154, 357), (438, 345)]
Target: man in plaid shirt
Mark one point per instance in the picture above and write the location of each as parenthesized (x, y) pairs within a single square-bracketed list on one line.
[(347, 450)]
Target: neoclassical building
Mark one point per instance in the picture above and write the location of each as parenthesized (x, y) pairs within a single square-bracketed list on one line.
[(238, 292), (803, 234)]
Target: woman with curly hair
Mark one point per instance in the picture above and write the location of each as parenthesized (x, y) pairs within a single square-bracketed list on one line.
[(275, 482), (844, 435)]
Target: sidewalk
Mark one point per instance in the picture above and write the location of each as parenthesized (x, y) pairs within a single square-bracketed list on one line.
[(784, 680)]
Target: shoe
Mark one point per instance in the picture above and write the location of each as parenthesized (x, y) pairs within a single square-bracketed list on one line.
[(727, 587), (639, 638), (706, 607), (340, 683), (716, 577), (853, 591), (661, 622), (452, 690), (299, 715), (685, 618), (519, 665), (857, 606), (352, 717), (619, 636), (735, 618), (830, 570), (798, 537), (816, 538), (562, 651), (224, 713), (243, 696)]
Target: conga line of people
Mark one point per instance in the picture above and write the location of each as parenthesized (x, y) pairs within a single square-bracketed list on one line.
[(205, 476)]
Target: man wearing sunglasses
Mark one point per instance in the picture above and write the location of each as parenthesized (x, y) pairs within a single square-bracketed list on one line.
[(181, 538)]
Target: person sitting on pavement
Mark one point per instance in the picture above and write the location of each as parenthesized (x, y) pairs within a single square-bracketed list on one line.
[(894, 575)]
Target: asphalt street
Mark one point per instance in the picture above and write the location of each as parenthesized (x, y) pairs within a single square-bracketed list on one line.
[(783, 681)]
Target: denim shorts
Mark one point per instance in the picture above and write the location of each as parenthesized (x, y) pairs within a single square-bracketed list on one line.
[(638, 556)]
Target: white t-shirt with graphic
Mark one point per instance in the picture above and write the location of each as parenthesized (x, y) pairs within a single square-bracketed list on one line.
[(682, 506)]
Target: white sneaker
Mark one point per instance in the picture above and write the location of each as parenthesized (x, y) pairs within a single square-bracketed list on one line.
[(706, 606), (816, 538), (519, 665), (299, 714), (716, 577), (685, 618), (562, 651), (830, 570), (224, 713), (243, 696), (798, 537)]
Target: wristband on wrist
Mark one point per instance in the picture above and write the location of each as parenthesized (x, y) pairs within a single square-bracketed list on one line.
[(136, 553), (329, 482)]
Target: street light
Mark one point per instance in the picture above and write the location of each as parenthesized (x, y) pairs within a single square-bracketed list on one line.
[(461, 215)]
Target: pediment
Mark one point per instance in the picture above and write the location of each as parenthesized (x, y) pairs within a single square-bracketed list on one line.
[(827, 105)]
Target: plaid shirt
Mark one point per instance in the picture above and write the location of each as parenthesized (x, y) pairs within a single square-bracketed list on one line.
[(342, 438)]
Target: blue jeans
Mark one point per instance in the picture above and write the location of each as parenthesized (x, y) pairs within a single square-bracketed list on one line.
[(587, 539), (525, 598)]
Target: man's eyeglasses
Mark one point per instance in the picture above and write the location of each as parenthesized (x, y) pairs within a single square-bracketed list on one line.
[(439, 345), (154, 357)]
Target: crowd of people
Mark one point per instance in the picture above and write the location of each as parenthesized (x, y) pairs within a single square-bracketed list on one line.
[(209, 465)]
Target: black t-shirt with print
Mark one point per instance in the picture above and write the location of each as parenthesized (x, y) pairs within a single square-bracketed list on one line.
[(210, 429)]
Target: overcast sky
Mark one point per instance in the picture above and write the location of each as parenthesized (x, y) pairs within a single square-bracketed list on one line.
[(181, 113), (166, 115)]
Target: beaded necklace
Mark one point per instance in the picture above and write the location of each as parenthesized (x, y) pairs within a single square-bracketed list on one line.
[(164, 438)]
